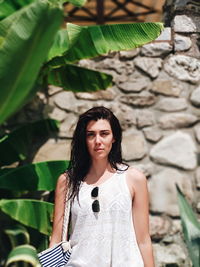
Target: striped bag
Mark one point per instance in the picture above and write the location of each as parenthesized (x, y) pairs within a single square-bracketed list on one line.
[(59, 254)]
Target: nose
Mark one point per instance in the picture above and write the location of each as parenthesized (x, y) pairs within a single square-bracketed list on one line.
[(98, 138)]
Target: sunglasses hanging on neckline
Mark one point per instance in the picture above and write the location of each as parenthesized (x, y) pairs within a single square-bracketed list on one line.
[(95, 204)]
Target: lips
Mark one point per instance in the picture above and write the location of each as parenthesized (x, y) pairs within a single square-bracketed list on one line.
[(98, 149)]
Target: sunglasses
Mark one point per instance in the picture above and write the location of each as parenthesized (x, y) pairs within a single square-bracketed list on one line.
[(95, 204)]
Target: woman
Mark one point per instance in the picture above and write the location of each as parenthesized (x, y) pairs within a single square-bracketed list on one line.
[(109, 211)]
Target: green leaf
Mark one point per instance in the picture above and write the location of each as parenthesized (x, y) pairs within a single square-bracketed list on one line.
[(191, 228), (60, 44), (79, 79), (24, 253), (7, 7), (18, 144), (78, 3), (36, 176), (23, 51), (95, 40), (18, 235), (33, 213)]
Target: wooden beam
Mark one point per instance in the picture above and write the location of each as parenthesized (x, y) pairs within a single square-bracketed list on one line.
[(100, 12)]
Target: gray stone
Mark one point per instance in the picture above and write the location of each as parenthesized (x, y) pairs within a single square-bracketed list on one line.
[(112, 64), (182, 43), (170, 255), (53, 150), (177, 120), (144, 118), (195, 97), (134, 86), (197, 132), (177, 149), (129, 68), (176, 227), (64, 100), (68, 102), (166, 87), (162, 191), (198, 207), (183, 68), (135, 83), (197, 178), (139, 100), (186, 23), (129, 54), (125, 114), (166, 35), (108, 94), (159, 227), (151, 66), (133, 145), (147, 168), (54, 113), (67, 127), (152, 134), (87, 63), (54, 89), (171, 104), (156, 49)]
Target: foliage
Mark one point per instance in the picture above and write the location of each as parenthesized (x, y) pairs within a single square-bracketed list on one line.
[(191, 228)]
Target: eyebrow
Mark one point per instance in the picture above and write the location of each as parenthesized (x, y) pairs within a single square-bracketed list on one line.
[(100, 131)]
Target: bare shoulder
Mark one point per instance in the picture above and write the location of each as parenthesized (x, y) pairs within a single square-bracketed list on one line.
[(135, 179), (136, 175), (62, 182)]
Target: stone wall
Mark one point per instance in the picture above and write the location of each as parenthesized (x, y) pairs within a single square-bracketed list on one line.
[(156, 96)]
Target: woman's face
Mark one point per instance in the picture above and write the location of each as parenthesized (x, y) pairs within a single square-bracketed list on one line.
[(99, 138)]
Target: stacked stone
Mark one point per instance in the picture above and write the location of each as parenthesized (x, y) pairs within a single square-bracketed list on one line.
[(156, 96)]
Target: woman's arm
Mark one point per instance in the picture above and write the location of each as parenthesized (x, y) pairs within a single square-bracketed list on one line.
[(58, 215), (140, 208)]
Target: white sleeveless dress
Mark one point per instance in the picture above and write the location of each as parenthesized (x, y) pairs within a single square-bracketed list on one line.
[(106, 238)]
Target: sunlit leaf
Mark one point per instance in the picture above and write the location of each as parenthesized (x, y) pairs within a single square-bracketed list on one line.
[(35, 176), (60, 44), (23, 51), (95, 40), (191, 228), (33, 213), (7, 7), (24, 253), (17, 235), (78, 3)]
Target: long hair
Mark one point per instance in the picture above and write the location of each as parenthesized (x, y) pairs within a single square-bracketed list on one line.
[(80, 160)]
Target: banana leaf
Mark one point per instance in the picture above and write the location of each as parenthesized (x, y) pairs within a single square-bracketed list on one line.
[(23, 51), (191, 228), (17, 235), (35, 176), (78, 3), (24, 253), (95, 40), (78, 79), (18, 144), (60, 44), (33, 213), (7, 7)]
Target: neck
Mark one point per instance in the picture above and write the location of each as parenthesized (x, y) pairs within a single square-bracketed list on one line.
[(99, 168)]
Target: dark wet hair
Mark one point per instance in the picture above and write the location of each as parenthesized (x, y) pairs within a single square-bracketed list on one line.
[(80, 160)]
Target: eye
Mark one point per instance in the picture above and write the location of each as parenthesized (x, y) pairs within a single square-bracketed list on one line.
[(105, 133), (89, 134)]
